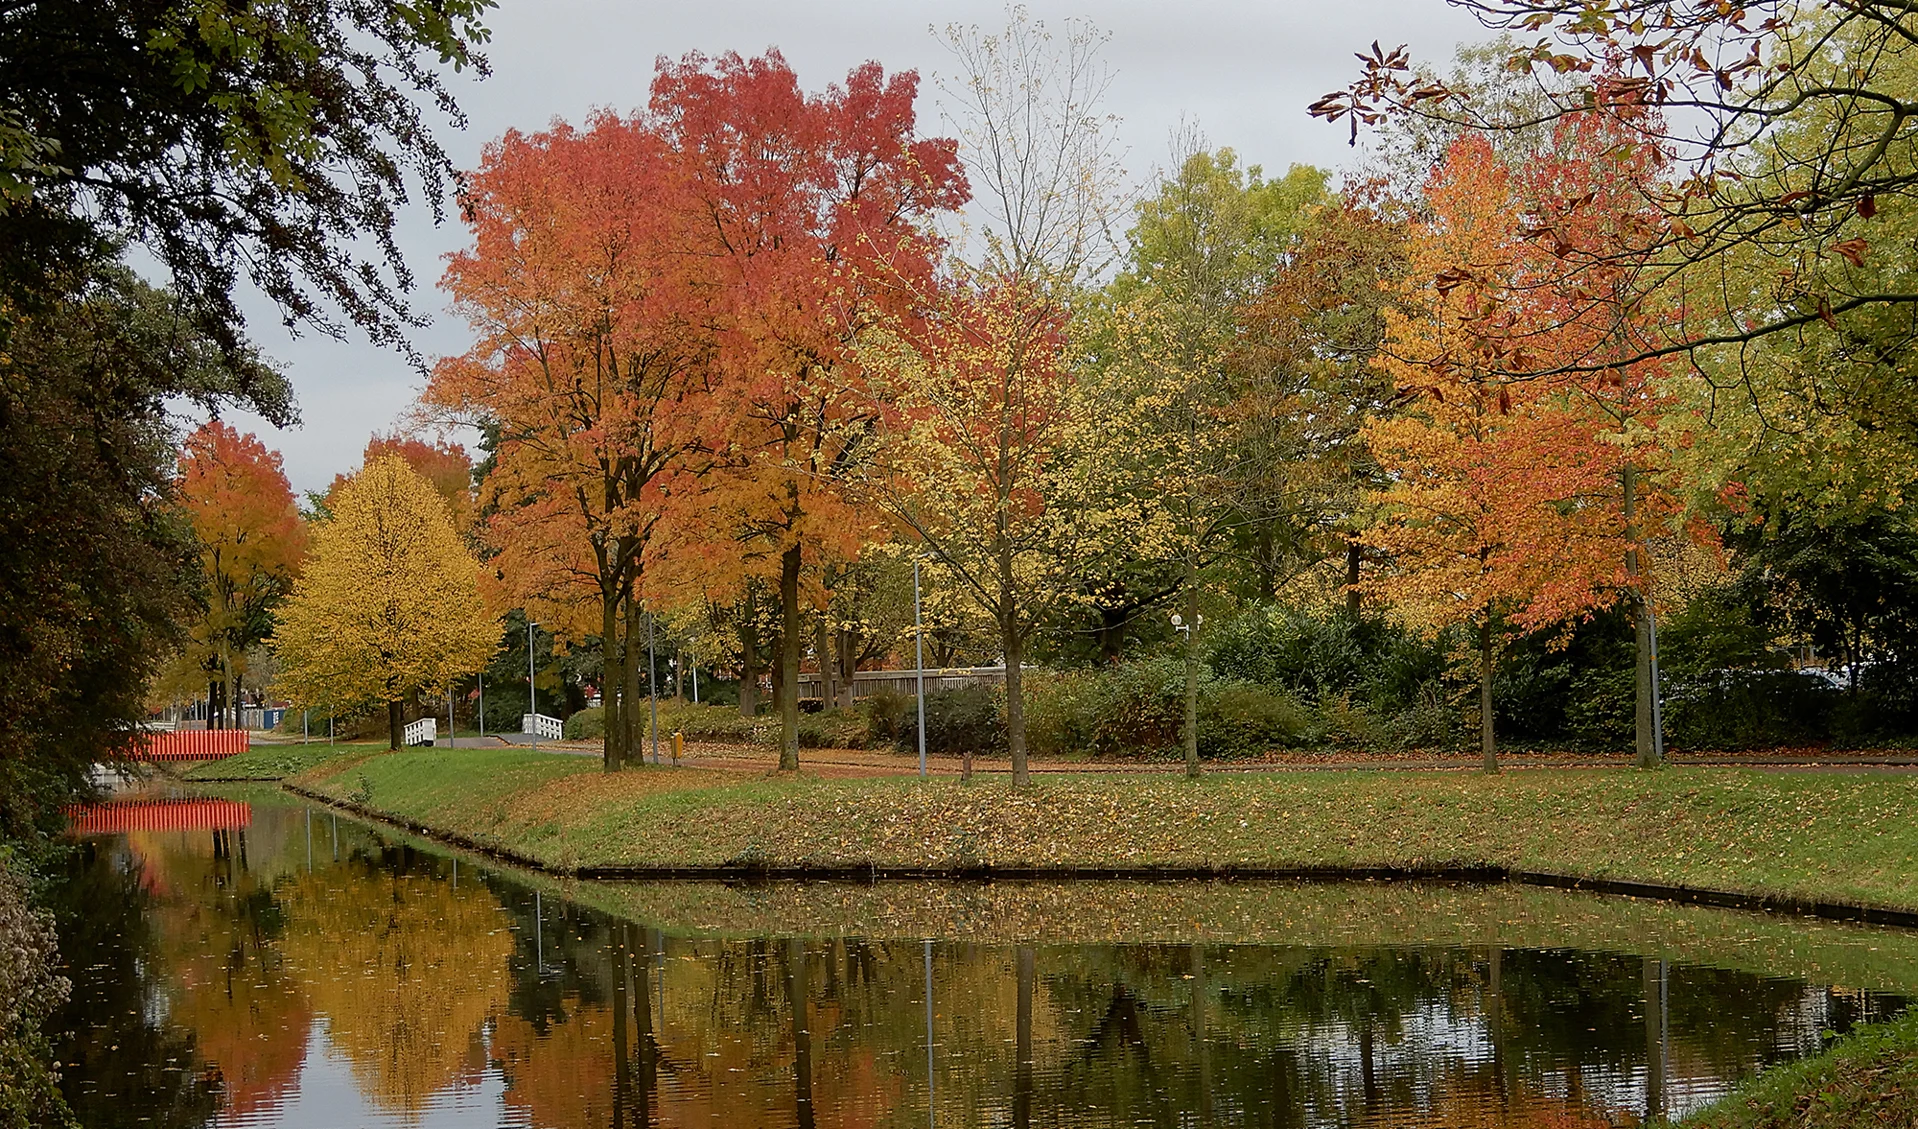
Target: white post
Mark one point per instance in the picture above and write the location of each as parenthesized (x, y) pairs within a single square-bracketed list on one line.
[(919, 670), (532, 692), (303, 727), (482, 705), (1658, 705), (695, 657), (449, 714)]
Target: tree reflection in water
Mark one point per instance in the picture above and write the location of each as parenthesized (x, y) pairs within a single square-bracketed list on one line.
[(207, 978)]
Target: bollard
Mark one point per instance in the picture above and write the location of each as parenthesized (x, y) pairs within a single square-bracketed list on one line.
[(679, 745)]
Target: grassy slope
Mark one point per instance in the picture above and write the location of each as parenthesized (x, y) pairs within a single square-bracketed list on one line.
[(1870, 1078), (1848, 838), (276, 761)]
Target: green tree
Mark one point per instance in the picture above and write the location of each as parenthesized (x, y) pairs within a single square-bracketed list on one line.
[(95, 563)]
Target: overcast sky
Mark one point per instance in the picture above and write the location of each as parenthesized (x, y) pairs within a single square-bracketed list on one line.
[(1241, 70)]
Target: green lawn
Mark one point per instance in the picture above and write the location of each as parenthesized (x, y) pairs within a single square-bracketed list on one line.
[(1838, 838), (277, 762)]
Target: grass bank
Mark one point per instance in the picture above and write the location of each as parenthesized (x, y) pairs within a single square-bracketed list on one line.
[(276, 761), (1847, 840), (1868, 1078)]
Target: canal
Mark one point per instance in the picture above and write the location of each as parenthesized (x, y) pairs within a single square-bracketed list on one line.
[(245, 961)]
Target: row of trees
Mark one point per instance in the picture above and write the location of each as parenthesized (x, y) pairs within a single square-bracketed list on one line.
[(741, 355)]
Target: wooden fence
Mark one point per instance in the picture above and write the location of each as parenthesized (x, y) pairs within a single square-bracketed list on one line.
[(866, 683), (191, 745)]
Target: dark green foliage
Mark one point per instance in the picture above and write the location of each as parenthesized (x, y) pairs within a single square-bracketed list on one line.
[(1137, 708), (274, 140), (30, 993), (95, 568), (889, 715), (960, 719), (1750, 708)]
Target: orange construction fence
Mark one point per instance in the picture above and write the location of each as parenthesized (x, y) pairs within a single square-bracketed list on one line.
[(192, 745)]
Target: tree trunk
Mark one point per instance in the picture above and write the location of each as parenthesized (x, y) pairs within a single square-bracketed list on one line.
[(1191, 725), (395, 724), (846, 654), (1354, 557), (789, 627), (212, 703), (828, 675), (1268, 573), (1015, 708), (1640, 597), (749, 658), (612, 684), (1487, 739)]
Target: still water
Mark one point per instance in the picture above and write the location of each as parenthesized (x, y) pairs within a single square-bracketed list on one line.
[(252, 963)]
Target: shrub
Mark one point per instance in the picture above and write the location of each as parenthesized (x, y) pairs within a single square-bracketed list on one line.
[(832, 729), (960, 719), (1240, 719), (588, 724), (888, 713), (1138, 708), (1742, 709)]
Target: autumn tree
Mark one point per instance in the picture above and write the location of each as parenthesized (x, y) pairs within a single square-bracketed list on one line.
[(1200, 249), (250, 542), (811, 210), (988, 450), (388, 603), (446, 465), (591, 365), (1494, 514)]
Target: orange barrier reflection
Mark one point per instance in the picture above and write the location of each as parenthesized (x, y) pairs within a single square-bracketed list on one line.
[(159, 815)]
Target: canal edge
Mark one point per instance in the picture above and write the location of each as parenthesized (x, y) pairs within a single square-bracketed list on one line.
[(1776, 904)]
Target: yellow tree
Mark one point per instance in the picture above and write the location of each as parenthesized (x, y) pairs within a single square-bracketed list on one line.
[(389, 603)]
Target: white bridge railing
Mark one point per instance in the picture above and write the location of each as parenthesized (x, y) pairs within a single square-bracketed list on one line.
[(425, 731), (549, 728)]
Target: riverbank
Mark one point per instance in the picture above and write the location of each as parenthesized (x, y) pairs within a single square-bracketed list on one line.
[(1867, 1078), (1738, 836)]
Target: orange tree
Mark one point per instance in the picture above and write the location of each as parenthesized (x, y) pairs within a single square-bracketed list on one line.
[(1484, 520), (591, 365), (250, 541), (808, 212)]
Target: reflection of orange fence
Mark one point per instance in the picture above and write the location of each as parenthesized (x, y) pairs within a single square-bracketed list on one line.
[(159, 815), (192, 745)]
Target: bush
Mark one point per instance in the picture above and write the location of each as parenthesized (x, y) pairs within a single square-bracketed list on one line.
[(888, 714), (1744, 709), (588, 724), (958, 720), (1138, 708)]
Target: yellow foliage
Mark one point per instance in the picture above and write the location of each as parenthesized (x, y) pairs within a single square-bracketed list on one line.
[(389, 602)]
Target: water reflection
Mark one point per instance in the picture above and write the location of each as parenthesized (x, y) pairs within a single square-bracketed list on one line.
[(308, 972)]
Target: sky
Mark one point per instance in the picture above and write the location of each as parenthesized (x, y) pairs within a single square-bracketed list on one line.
[(1241, 71)]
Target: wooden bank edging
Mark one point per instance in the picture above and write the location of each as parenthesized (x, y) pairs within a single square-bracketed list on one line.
[(1481, 872)]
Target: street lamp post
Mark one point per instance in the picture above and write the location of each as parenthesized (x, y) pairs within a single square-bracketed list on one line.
[(532, 691), (652, 683), (919, 665), (482, 705)]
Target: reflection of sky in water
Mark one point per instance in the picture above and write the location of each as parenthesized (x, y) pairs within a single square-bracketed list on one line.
[(324, 1095), (331, 978)]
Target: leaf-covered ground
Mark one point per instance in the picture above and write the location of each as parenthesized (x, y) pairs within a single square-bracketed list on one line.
[(1842, 838)]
